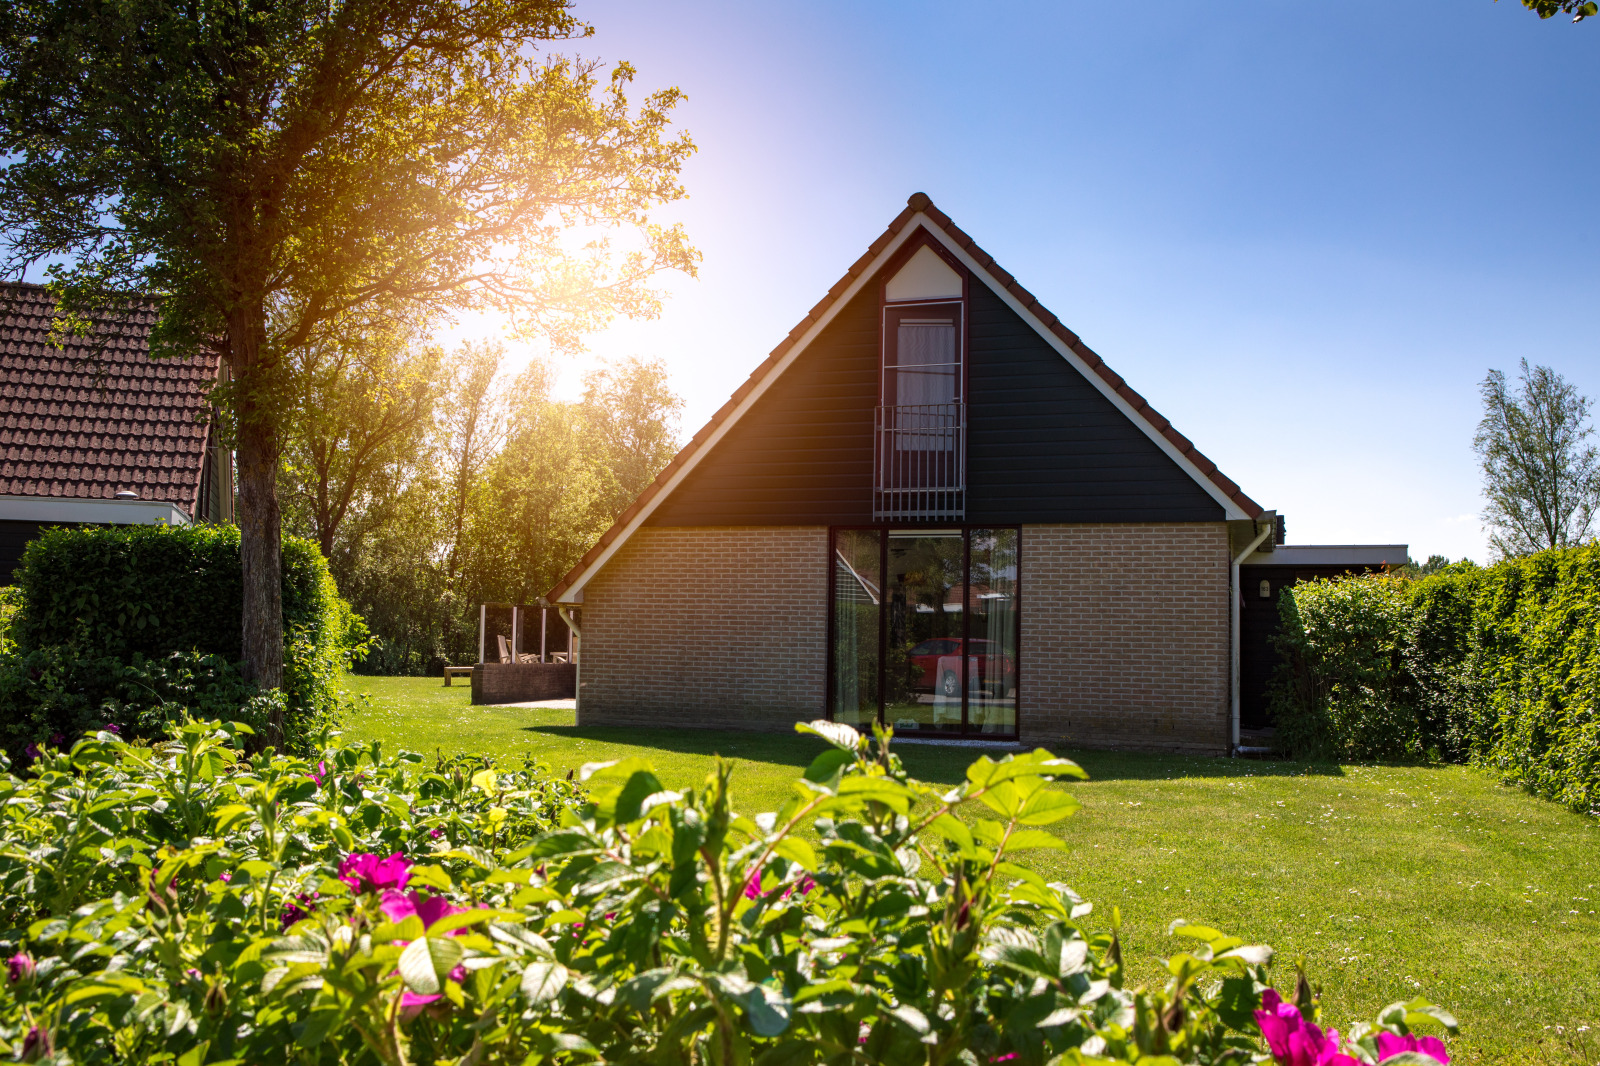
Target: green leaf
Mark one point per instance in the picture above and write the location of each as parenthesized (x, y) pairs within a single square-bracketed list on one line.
[(312, 1031), (954, 830), (432, 876), (475, 916), (768, 1009), (911, 1018), (425, 964), (826, 765), (796, 851), (543, 980), (1022, 839), (1047, 806)]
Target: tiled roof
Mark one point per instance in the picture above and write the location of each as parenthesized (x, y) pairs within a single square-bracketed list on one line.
[(919, 203), (100, 416)]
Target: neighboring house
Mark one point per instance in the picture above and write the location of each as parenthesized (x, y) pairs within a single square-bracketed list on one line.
[(99, 432), (931, 505)]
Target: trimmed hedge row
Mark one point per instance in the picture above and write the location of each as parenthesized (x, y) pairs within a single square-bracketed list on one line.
[(136, 625), (1498, 666)]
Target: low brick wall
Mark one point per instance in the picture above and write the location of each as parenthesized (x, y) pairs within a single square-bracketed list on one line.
[(1125, 636), (523, 682), (710, 627)]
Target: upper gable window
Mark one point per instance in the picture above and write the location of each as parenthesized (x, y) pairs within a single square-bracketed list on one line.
[(925, 276), (921, 423)]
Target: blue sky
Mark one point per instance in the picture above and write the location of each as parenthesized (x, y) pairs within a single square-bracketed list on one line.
[(1303, 231)]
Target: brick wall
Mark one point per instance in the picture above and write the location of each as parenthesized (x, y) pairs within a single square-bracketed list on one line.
[(720, 627), (523, 682), (1125, 636)]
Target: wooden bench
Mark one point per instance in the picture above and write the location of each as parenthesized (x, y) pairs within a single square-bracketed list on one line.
[(456, 671)]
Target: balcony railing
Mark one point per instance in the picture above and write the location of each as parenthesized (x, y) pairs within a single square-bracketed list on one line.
[(920, 462)]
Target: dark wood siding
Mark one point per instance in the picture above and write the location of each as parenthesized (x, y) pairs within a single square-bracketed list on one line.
[(14, 537), (1043, 444), (802, 455)]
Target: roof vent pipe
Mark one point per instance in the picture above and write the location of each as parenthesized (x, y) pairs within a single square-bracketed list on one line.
[(127, 494)]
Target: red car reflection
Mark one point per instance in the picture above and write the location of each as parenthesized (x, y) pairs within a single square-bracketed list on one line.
[(936, 666)]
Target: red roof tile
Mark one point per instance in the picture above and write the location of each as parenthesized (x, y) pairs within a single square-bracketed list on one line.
[(99, 416), (919, 202)]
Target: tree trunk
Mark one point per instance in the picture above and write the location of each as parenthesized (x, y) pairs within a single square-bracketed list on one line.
[(262, 557)]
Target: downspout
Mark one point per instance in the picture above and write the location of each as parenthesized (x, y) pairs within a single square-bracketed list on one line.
[(1233, 625), (576, 658)]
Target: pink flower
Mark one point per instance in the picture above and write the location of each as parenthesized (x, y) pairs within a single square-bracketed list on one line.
[(320, 774), (36, 1045), (1295, 1041), (398, 906), (19, 968), (752, 887), (225, 876), (368, 873), (1431, 1046), (299, 907), (804, 887), (434, 834)]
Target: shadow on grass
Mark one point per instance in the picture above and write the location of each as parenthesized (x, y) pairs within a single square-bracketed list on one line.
[(939, 764)]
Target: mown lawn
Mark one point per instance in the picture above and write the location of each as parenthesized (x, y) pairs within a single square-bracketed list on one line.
[(1392, 881)]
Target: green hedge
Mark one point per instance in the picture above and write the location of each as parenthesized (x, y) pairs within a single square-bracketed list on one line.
[(1498, 666), (134, 624)]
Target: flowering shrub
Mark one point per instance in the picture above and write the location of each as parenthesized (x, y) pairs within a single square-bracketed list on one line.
[(185, 903)]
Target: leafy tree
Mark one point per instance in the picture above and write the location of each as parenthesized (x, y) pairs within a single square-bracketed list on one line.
[(633, 414), (475, 426), (1541, 480), (272, 168), (1578, 9), (364, 413)]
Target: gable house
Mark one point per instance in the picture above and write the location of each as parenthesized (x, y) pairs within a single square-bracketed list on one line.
[(933, 506)]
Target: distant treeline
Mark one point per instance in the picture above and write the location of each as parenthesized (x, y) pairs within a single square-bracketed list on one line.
[(435, 482)]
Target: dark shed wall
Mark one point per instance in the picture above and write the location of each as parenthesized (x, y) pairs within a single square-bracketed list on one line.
[(1043, 444)]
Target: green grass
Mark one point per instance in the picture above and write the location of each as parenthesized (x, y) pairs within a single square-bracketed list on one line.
[(1392, 881)]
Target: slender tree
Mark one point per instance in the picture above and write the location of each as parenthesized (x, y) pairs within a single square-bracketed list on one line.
[(267, 168), (364, 413), (476, 421), (1541, 481)]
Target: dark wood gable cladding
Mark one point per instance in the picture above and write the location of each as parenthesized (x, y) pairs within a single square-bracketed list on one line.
[(802, 454), (1043, 444)]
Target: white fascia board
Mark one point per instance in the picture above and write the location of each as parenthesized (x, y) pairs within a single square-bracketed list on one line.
[(91, 511), (1231, 511), (574, 593)]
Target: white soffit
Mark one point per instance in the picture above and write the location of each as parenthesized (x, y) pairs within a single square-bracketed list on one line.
[(1332, 555), (924, 277), (91, 511)]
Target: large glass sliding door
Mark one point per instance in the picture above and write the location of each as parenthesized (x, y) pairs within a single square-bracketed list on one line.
[(857, 607), (923, 630), (992, 628)]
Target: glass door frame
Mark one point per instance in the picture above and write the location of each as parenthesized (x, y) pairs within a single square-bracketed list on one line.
[(883, 530)]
